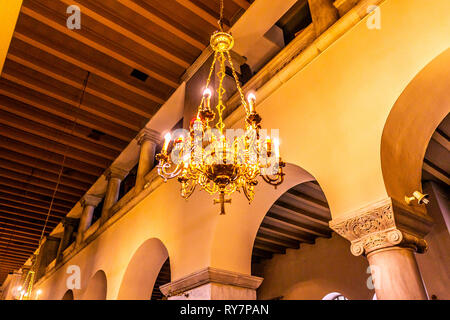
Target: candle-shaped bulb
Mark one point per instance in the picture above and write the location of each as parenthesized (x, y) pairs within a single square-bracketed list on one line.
[(268, 146), (207, 93), (251, 101), (276, 144), (167, 139), (207, 97)]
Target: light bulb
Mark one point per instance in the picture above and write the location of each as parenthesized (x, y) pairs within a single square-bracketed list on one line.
[(251, 101), (167, 138), (207, 93)]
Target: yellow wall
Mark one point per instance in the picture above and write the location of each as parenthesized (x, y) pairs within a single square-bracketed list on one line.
[(9, 12), (331, 117)]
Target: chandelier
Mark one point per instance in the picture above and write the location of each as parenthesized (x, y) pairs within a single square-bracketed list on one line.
[(218, 160)]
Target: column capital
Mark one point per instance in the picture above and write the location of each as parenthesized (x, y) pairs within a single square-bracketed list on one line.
[(90, 200), (116, 172), (381, 225), (211, 275), (147, 134)]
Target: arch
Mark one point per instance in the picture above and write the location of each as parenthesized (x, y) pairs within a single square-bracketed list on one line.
[(97, 287), (68, 295), (142, 271), (244, 219), (414, 117)]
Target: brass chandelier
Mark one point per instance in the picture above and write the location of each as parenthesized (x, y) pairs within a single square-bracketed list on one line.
[(213, 159)]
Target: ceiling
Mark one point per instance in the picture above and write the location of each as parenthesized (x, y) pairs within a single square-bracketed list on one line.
[(45, 117)]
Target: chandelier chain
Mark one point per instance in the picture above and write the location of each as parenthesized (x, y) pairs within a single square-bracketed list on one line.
[(238, 85), (221, 16), (221, 90)]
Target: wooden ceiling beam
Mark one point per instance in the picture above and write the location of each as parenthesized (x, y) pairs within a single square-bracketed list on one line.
[(268, 228), (40, 183), (288, 208), (279, 240), (119, 118), (307, 200), (16, 225), (34, 64), (56, 135), (16, 238), (25, 223), (89, 67), (53, 106), (31, 151), (270, 247), (31, 212), (44, 175), (80, 150), (132, 36), (35, 189), (45, 166), (242, 3), (440, 138), (163, 23), (21, 250), (201, 13), (429, 167), (22, 245), (270, 216), (52, 146), (14, 254)]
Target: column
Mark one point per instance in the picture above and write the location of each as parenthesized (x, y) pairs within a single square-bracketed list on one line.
[(213, 284), (47, 253), (148, 140), (89, 203), (389, 234), (70, 224), (323, 13), (114, 175)]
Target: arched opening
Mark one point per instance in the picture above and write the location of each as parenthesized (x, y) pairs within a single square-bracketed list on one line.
[(68, 295), (163, 278), (419, 110), (433, 264), (142, 272), (299, 256), (97, 287)]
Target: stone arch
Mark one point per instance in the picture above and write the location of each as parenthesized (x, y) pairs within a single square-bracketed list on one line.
[(244, 219), (97, 287), (143, 270), (68, 295), (411, 122)]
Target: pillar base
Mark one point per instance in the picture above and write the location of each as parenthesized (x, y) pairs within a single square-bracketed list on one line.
[(213, 284)]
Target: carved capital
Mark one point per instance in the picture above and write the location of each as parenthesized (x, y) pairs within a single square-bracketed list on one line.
[(90, 200), (148, 135), (116, 172), (381, 225)]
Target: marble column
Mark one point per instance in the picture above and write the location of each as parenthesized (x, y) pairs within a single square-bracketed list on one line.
[(89, 203), (148, 140), (213, 284), (389, 234), (114, 175), (323, 13), (70, 225)]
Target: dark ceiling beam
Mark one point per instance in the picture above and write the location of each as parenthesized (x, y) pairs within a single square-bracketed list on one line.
[(278, 240), (274, 230), (22, 246), (40, 183), (28, 96), (57, 136), (20, 201), (269, 247), (29, 212), (212, 20), (30, 197), (51, 177), (52, 146), (91, 67), (261, 253), (38, 66), (10, 237), (43, 191), (435, 171), (307, 200), (440, 138), (115, 116), (163, 23), (38, 164), (290, 209), (296, 225), (31, 151), (25, 223), (128, 33), (242, 3)]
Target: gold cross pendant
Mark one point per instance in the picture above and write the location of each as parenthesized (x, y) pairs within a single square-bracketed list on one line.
[(222, 202)]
